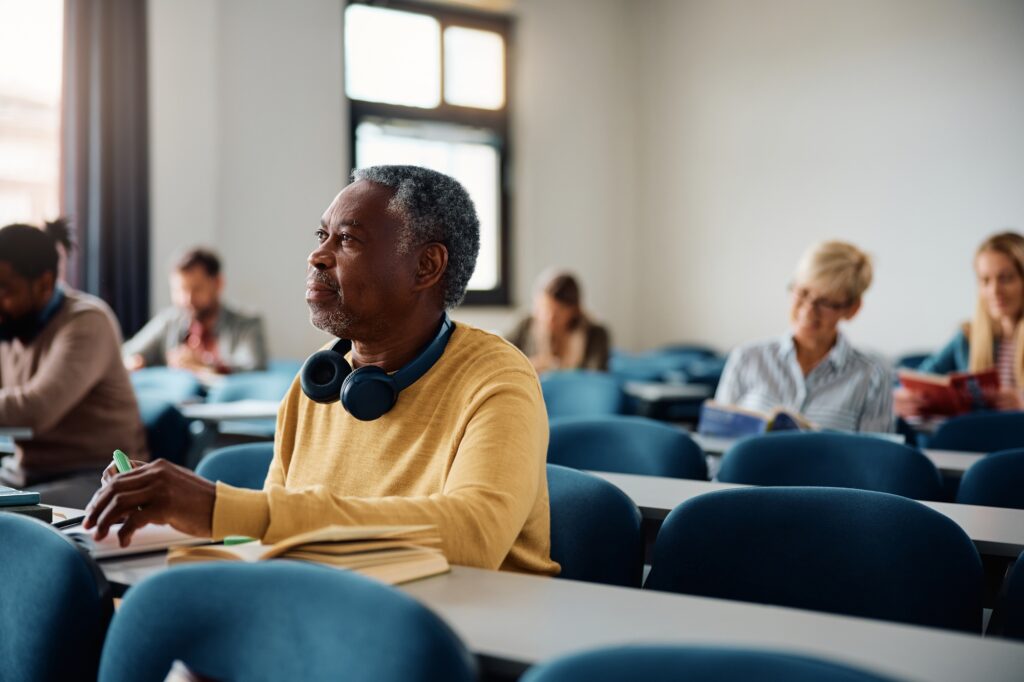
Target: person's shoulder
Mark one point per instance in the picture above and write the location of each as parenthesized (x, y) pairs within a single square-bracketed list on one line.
[(875, 366), (81, 304), (486, 352), (755, 349)]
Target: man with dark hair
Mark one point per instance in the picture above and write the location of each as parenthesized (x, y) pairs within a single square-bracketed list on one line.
[(199, 332), (437, 424), (60, 376), (60, 232)]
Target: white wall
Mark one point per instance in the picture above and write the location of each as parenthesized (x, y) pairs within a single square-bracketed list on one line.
[(770, 126), (678, 154)]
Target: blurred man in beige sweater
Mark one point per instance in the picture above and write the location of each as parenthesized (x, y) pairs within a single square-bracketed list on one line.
[(61, 376)]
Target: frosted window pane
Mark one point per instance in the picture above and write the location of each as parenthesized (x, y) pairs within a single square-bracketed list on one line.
[(474, 68), (392, 57), (467, 155)]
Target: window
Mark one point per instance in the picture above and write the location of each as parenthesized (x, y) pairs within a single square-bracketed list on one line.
[(428, 87), (31, 37)]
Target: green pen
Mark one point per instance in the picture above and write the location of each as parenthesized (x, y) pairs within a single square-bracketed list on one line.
[(122, 463)]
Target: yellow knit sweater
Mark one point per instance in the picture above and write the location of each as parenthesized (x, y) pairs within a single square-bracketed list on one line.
[(464, 448)]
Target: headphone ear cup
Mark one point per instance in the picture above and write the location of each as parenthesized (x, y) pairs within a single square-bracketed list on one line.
[(368, 393), (323, 374)]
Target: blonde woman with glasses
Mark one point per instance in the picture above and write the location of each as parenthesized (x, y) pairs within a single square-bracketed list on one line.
[(813, 369), (993, 338)]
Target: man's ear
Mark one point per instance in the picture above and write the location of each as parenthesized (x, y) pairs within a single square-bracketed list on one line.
[(430, 265)]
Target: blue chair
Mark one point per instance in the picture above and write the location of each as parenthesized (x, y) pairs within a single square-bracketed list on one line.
[(167, 430), (997, 480), (55, 604), (279, 620), (650, 366), (581, 392), (654, 663), (243, 466), (839, 460), (250, 386), (284, 366), (595, 529), (853, 552), (1008, 616), (173, 385), (980, 432), (628, 445)]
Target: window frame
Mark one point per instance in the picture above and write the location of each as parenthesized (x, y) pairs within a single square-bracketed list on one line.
[(494, 120)]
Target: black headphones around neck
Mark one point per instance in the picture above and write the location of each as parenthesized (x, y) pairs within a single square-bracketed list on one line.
[(369, 392)]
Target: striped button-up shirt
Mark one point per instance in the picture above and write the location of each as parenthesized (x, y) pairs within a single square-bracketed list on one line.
[(847, 390)]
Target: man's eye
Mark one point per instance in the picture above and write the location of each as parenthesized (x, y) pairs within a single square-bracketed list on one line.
[(321, 235)]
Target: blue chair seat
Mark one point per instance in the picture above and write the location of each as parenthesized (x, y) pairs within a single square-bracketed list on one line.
[(832, 459), (625, 444), (853, 552)]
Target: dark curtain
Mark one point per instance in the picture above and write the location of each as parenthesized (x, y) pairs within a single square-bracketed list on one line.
[(105, 153)]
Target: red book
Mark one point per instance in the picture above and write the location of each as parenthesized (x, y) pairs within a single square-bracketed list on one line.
[(952, 394)]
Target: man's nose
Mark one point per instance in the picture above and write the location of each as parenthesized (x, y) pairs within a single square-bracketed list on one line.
[(321, 259)]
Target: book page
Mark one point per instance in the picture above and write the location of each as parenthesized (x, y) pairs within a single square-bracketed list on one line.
[(149, 538)]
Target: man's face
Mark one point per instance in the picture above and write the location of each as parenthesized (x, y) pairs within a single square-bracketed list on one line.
[(357, 279), (20, 298), (196, 292)]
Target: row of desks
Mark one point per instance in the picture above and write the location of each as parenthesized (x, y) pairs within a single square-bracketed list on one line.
[(512, 621)]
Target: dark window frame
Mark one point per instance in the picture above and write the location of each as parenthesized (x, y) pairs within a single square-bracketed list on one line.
[(496, 121)]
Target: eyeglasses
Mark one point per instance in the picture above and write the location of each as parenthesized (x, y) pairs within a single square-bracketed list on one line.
[(803, 295)]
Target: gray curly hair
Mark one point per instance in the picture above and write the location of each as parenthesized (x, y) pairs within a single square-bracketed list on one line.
[(434, 208)]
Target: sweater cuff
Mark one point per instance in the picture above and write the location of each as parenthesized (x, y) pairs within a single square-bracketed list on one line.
[(240, 511)]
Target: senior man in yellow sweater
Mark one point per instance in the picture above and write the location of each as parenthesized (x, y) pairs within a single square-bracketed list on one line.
[(463, 447)]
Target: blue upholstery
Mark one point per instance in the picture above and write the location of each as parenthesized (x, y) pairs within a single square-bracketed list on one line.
[(629, 445), (173, 385), (911, 360), (996, 480), (980, 432), (1008, 616), (279, 620), (651, 366), (581, 392), (595, 529), (243, 466), (845, 551), (54, 604), (284, 366), (840, 460), (167, 432), (653, 663), (250, 386)]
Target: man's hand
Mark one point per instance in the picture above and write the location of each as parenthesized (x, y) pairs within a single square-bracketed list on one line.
[(158, 492), (184, 357), (906, 403)]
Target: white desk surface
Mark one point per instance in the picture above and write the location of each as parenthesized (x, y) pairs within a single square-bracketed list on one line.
[(237, 410), (654, 391), (995, 531), (948, 462), (15, 432), (512, 621)]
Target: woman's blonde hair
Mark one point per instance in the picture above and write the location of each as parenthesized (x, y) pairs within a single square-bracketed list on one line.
[(839, 267), (983, 330)]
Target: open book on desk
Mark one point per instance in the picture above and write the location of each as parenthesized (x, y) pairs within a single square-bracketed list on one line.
[(391, 554), (730, 421), (149, 538)]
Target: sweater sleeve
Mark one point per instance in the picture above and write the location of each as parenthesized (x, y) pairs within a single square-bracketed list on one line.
[(76, 361), (949, 359), (484, 503)]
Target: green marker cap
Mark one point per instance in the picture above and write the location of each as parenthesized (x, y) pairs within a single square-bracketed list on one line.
[(237, 539), (122, 463)]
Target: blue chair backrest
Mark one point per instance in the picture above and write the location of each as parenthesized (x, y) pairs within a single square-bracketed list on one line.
[(284, 366), (980, 432), (628, 445), (839, 460), (651, 366), (173, 385), (654, 663), (1008, 616), (55, 604), (250, 386), (595, 529), (279, 620), (243, 466), (839, 550), (997, 480), (167, 430), (581, 392)]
